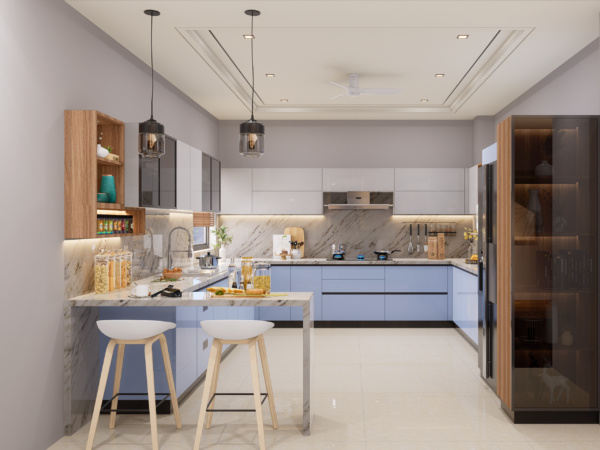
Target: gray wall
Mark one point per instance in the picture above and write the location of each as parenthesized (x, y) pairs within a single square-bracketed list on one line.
[(367, 143), (484, 135), (54, 59), (573, 88)]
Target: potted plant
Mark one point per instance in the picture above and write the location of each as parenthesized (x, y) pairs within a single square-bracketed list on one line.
[(222, 239)]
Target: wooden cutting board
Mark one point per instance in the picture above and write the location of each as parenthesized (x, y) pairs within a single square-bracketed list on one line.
[(297, 234)]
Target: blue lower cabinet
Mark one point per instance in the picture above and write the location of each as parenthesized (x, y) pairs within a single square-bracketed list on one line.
[(280, 282), (416, 307), (204, 340), (186, 342), (307, 279), (353, 273), (348, 286), (353, 307), (416, 279)]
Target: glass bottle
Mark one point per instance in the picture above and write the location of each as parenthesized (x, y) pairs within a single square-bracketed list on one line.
[(233, 279), (262, 277), (247, 269), (101, 273)]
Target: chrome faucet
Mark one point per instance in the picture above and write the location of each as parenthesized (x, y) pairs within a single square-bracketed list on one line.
[(154, 260), (189, 250)]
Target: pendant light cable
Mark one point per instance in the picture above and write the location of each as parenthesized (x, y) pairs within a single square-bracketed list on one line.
[(252, 57), (152, 65)]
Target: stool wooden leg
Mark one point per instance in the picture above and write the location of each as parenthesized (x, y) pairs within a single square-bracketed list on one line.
[(165, 353), (213, 386), (117, 384), (256, 388), (151, 396), (101, 387), (265, 366), (210, 370)]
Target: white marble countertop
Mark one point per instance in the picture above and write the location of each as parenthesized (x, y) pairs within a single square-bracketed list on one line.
[(456, 262)]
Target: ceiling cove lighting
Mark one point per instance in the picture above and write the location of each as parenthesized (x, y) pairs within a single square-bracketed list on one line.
[(248, 36), (271, 75), (462, 36), (151, 137), (252, 133), (439, 75)]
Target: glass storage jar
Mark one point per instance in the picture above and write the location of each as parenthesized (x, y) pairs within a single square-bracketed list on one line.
[(247, 269), (118, 276), (101, 273), (110, 257), (126, 260), (262, 277)]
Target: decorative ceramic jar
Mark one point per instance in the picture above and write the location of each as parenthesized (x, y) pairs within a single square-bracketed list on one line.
[(107, 186)]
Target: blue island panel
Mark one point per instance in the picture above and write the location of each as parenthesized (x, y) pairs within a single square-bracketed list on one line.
[(280, 282), (307, 279)]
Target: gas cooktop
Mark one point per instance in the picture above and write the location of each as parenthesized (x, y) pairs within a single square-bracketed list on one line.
[(356, 259)]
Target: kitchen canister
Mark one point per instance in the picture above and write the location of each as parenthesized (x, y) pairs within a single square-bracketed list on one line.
[(107, 186)]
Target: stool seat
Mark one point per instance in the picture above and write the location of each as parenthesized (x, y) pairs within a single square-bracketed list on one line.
[(132, 330), (234, 330)]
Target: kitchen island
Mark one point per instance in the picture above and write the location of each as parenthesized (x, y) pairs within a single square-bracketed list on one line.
[(82, 337)]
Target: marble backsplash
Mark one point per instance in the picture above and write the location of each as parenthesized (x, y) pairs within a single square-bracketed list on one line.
[(149, 254), (362, 231)]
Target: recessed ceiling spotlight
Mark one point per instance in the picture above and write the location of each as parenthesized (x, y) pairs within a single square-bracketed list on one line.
[(424, 100), (439, 75), (462, 36), (284, 100), (248, 36), (271, 75)]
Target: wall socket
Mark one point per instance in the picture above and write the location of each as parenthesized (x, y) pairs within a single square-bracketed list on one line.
[(205, 344)]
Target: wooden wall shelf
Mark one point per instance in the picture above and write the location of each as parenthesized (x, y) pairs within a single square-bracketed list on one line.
[(84, 171)]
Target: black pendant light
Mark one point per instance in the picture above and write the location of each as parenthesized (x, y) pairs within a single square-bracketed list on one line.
[(252, 133), (151, 140)]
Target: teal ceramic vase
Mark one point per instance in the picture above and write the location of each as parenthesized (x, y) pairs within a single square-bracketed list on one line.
[(107, 185)]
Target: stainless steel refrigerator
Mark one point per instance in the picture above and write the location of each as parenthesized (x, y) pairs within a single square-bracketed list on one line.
[(487, 241)]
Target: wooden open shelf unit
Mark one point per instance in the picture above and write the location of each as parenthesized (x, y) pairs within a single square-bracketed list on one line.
[(84, 170)]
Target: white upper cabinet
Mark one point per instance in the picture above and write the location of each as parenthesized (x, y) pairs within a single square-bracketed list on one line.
[(184, 182), (287, 202), (429, 202), (430, 180), (236, 191), (287, 180), (195, 180), (372, 180)]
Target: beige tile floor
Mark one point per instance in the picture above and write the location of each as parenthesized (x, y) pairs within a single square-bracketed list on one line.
[(375, 389)]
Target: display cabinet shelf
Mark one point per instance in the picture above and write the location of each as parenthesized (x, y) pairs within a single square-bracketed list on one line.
[(83, 171), (547, 241)]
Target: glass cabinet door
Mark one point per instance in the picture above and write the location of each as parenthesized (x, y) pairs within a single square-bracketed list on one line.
[(206, 183), (168, 181), (216, 185), (554, 263), (149, 182)]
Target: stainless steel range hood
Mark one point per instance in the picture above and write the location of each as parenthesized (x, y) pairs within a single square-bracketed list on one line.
[(358, 200)]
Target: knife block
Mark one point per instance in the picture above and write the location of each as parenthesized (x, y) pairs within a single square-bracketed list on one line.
[(441, 246)]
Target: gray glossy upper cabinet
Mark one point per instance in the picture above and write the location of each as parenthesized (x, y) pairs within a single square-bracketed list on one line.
[(158, 178), (211, 184)]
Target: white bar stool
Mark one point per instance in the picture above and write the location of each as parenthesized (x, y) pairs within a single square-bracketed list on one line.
[(238, 332), (132, 332)]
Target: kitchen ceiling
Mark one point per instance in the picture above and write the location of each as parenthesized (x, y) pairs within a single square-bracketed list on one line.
[(511, 46)]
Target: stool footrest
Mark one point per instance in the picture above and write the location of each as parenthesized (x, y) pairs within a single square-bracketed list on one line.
[(234, 410), (133, 410)]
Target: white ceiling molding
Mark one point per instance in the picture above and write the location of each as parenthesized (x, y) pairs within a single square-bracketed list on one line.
[(512, 41), (215, 63)]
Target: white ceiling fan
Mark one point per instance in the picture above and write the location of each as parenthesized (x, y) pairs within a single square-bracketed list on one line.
[(354, 91)]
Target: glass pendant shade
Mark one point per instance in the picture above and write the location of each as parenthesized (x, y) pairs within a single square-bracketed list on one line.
[(252, 139), (151, 140)]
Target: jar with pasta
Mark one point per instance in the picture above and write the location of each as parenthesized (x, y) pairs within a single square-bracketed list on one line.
[(126, 260), (101, 273), (118, 276), (262, 277), (111, 271), (247, 272)]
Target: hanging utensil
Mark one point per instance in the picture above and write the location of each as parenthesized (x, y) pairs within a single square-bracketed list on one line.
[(410, 246), (425, 244), (418, 237)]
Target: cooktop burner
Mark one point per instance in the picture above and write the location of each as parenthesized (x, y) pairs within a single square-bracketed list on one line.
[(352, 259)]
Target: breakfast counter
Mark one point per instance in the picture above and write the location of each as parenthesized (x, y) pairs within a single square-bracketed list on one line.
[(82, 340)]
